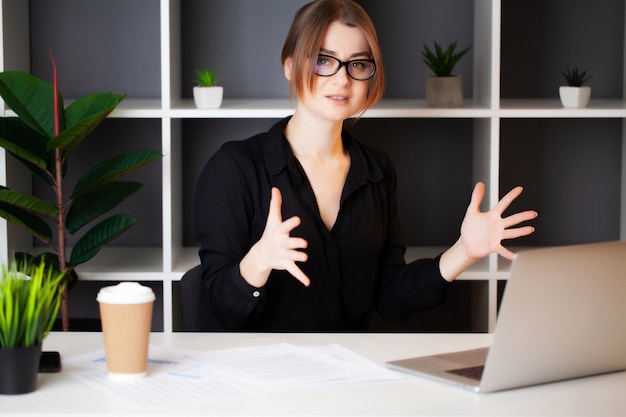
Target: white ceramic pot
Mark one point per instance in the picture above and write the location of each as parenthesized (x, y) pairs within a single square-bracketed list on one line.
[(575, 97), (444, 91), (208, 97)]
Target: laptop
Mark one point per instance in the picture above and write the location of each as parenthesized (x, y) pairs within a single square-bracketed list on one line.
[(562, 316)]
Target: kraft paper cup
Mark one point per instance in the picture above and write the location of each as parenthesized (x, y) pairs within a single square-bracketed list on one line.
[(126, 317)]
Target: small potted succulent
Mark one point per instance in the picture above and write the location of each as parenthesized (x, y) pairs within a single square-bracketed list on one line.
[(574, 94), (444, 89), (30, 297), (206, 93)]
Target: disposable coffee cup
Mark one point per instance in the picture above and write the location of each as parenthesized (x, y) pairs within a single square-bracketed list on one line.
[(126, 317)]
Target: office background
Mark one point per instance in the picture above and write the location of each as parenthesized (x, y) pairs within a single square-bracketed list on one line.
[(571, 164)]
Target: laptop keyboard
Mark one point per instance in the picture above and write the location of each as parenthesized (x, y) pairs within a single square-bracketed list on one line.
[(472, 372)]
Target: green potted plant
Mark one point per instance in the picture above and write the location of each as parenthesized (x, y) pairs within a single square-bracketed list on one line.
[(574, 94), (42, 137), (30, 296), (444, 89), (206, 93)]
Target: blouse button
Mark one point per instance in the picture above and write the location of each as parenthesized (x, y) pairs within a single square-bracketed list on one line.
[(256, 294)]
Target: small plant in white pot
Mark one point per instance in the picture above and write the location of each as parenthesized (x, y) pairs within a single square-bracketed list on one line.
[(206, 93), (443, 89), (574, 94)]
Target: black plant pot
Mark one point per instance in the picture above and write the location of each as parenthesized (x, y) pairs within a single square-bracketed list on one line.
[(18, 369)]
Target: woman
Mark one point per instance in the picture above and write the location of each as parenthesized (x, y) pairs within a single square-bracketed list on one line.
[(298, 226)]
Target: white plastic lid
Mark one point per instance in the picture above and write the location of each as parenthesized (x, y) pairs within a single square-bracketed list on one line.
[(126, 293)]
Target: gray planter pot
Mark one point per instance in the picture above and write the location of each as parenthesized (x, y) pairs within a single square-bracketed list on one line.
[(444, 91), (19, 367)]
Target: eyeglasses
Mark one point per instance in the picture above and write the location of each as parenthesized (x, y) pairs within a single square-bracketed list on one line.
[(358, 69)]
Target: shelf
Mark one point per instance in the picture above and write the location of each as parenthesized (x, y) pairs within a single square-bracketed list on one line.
[(133, 108), (278, 108), (479, 271), (233, 108), (416, 108), (144, 264), (386, 108), (128, 108), (552, 108)]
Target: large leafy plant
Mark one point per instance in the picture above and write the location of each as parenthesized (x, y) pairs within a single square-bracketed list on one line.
[(42, 137)]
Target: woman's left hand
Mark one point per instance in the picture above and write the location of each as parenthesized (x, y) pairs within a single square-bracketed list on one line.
[(483, 233)]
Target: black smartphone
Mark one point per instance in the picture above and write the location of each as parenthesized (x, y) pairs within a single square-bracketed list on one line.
[(50, 362)]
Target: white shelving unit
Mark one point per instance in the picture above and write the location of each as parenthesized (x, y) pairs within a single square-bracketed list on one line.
[(165, 263)]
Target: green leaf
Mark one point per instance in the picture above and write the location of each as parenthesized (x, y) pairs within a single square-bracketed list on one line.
[(27, 146), (28, 159), (114, 168), (102, 233), (23, 142), (30, 98), (28, 202), (81, 118), (97, 202), (27, 221), (91, 106)]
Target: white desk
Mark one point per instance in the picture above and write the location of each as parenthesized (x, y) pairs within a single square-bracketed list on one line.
[(62, 394)]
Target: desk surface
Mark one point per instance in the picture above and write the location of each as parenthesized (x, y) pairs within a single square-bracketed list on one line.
[(62, 394)]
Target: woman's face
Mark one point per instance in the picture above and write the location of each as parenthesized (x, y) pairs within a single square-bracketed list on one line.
[(337, 97)]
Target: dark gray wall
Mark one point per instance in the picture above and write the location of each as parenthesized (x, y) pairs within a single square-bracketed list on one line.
[(241, 39), (111, 45)]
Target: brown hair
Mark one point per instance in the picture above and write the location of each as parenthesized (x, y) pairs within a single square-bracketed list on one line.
[(305, 37)]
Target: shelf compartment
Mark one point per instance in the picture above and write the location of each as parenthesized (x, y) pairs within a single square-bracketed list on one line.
[(571, 171), (98, 46), (541, 38), (143, 262)]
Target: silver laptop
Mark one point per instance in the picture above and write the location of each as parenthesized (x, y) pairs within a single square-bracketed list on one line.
[(563, 316)]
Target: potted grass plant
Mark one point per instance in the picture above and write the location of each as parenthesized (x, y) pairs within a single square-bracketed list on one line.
[(30, 297), (43, 137), (574, 94), (444, 89), (207, 94)]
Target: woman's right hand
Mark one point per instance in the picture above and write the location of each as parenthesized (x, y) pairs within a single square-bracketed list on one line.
[(276, 249)]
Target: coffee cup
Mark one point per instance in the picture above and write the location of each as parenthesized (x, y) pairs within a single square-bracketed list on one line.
[(126, 317)]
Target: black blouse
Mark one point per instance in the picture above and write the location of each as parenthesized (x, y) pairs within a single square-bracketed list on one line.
[(356, 267)]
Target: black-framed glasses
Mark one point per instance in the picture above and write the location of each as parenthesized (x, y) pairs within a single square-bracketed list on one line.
[(358, 69)]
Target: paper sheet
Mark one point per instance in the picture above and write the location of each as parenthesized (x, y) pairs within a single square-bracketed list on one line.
[(283, 366), (168, 383), (178, 376)]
